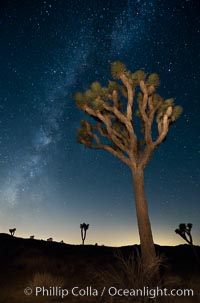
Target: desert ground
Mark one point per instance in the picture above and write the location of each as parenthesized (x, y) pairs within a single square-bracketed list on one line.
[(29, 263)]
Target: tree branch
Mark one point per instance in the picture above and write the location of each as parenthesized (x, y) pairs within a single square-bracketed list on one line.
[(100, 145), (146, 156), (117, 154), (142, 107), (130, 91), (101, 131), (123, 119), (111, 132), (164, 127), (106, 120)]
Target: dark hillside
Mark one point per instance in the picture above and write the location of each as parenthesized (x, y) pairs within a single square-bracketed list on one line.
[(27, 262)]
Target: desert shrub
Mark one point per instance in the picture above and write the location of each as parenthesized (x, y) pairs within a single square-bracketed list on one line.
[(129, 273)]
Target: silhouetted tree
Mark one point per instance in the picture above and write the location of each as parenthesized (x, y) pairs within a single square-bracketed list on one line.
[(12, 231), (184, 231), (115, 119), (84, 227)]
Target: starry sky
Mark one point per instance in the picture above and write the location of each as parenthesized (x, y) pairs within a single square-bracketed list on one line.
[(49, 183)]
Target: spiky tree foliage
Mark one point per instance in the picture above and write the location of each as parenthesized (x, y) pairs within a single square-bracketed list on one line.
[(115, 111), (184, 231), (84, 227)]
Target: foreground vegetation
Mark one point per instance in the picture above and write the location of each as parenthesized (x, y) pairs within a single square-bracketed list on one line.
[(26, 262)]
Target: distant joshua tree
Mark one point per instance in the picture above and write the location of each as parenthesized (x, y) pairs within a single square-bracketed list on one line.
[(32, 237), (116, 113), (50, 240), (84, 227), (184, 231), (12, 231)]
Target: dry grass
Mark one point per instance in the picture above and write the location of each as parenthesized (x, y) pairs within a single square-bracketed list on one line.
[(129, 273), (124, 273)]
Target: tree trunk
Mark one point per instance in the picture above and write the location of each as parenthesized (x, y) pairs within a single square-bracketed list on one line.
[(82, 237), (145, 233)]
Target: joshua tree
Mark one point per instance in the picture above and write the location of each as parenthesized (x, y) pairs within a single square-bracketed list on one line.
[(84, 227), (184, 231), (114, 119), (12, 231)]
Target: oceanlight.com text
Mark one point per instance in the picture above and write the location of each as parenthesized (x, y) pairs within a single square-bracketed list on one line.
[(89, 291)]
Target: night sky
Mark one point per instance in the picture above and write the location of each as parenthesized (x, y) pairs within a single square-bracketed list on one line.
[(49, 183)]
